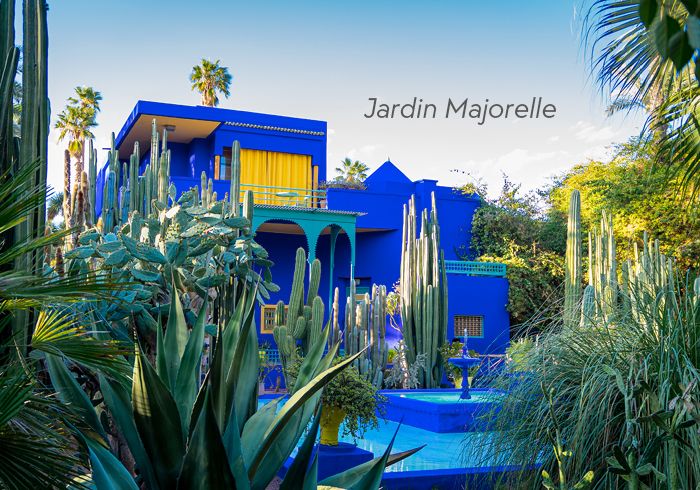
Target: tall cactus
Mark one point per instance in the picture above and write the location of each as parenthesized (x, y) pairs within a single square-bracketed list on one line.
[(573, 275), (303, 324), (368, 329), (423, 291)]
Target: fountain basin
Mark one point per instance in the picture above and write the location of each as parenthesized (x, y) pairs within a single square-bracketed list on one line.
[(442, 410)]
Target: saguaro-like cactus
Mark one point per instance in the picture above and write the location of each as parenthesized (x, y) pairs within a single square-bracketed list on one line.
[(423, 292), (368, 328), (573, 278), (304, 322)]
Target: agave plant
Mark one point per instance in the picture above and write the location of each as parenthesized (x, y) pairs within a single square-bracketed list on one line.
[(184, 433)]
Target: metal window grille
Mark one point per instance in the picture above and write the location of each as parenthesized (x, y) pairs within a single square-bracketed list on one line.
[(469, 326)]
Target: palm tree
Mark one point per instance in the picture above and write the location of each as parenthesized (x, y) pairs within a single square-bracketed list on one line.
[(352, 171), (76, 122), (54, 206), (630, 70), (209, 78)]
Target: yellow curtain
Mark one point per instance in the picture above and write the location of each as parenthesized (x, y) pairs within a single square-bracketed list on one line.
[(263, 169)]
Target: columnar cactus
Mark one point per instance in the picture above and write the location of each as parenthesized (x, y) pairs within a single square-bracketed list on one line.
[(423, 292), (334, 334), (368, 329), (572, 281), (587, 306), (235, 190), (66, 187), (303, 324)]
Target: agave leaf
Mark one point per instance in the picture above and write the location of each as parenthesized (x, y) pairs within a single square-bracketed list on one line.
[(286, 441), (118, 401), (187, 380), (158, 422), (255, 427), (370, 473), (175, 338), (296, 402), (310, 364), (70, 392), (299, 473), (205, 464), (108, 473), (242, 376), (352, 475), (161, 356), (234, 452)]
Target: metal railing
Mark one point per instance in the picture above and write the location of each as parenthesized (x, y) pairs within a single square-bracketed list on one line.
[(286, 196), (270, 356), (490, 269)]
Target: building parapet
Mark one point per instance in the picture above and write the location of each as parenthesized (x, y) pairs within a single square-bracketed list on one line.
[(468, 268)]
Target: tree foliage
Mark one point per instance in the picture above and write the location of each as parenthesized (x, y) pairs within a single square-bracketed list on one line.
[(520, 231), (209, 79), (351, 171), (641, 197)]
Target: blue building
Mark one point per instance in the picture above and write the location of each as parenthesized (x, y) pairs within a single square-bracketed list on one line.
[(283, 161)]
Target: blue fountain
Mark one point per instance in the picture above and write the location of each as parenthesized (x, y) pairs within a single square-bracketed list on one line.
[(464, 363)]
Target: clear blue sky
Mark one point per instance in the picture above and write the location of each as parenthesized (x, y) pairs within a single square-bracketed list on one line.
[(322, 60)]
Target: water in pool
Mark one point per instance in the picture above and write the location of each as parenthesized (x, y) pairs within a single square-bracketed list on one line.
[(442, 451), (451, 397)]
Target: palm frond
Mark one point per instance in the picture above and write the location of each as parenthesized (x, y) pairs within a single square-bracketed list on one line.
[(59, 333)]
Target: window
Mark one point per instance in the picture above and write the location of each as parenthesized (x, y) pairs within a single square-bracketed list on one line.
[(469, 326), (267, 318), (222, 165), (275, 177)]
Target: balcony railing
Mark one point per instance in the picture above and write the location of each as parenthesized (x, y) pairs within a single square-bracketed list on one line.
[(490, 269), (286, 196)]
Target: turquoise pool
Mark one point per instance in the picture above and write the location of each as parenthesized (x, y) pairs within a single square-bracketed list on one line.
[(443, 451), (450, 397)]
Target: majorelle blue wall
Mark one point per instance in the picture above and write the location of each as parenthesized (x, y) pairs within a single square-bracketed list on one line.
[(378, 254), (378, 239), (193, 155)]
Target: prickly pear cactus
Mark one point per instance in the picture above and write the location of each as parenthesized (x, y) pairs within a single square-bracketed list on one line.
[(150, 236)]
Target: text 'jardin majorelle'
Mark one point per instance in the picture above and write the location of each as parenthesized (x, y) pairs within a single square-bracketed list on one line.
[(461, 109)]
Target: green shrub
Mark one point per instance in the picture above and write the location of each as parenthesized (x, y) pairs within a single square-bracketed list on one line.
[(355, 395)]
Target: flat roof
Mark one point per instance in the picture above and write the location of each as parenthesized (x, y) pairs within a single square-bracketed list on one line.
[(192, 122)]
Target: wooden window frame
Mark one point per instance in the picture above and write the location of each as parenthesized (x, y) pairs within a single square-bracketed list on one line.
[(263, 325)]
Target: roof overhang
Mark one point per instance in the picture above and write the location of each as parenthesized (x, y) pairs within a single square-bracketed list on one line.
[(180, 130), (190, 122)]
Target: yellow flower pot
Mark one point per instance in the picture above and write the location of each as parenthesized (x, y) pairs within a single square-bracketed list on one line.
[(331, 418), (458, 382)]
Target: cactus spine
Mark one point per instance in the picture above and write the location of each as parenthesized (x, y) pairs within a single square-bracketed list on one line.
[(572, 281), (423, 291)]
